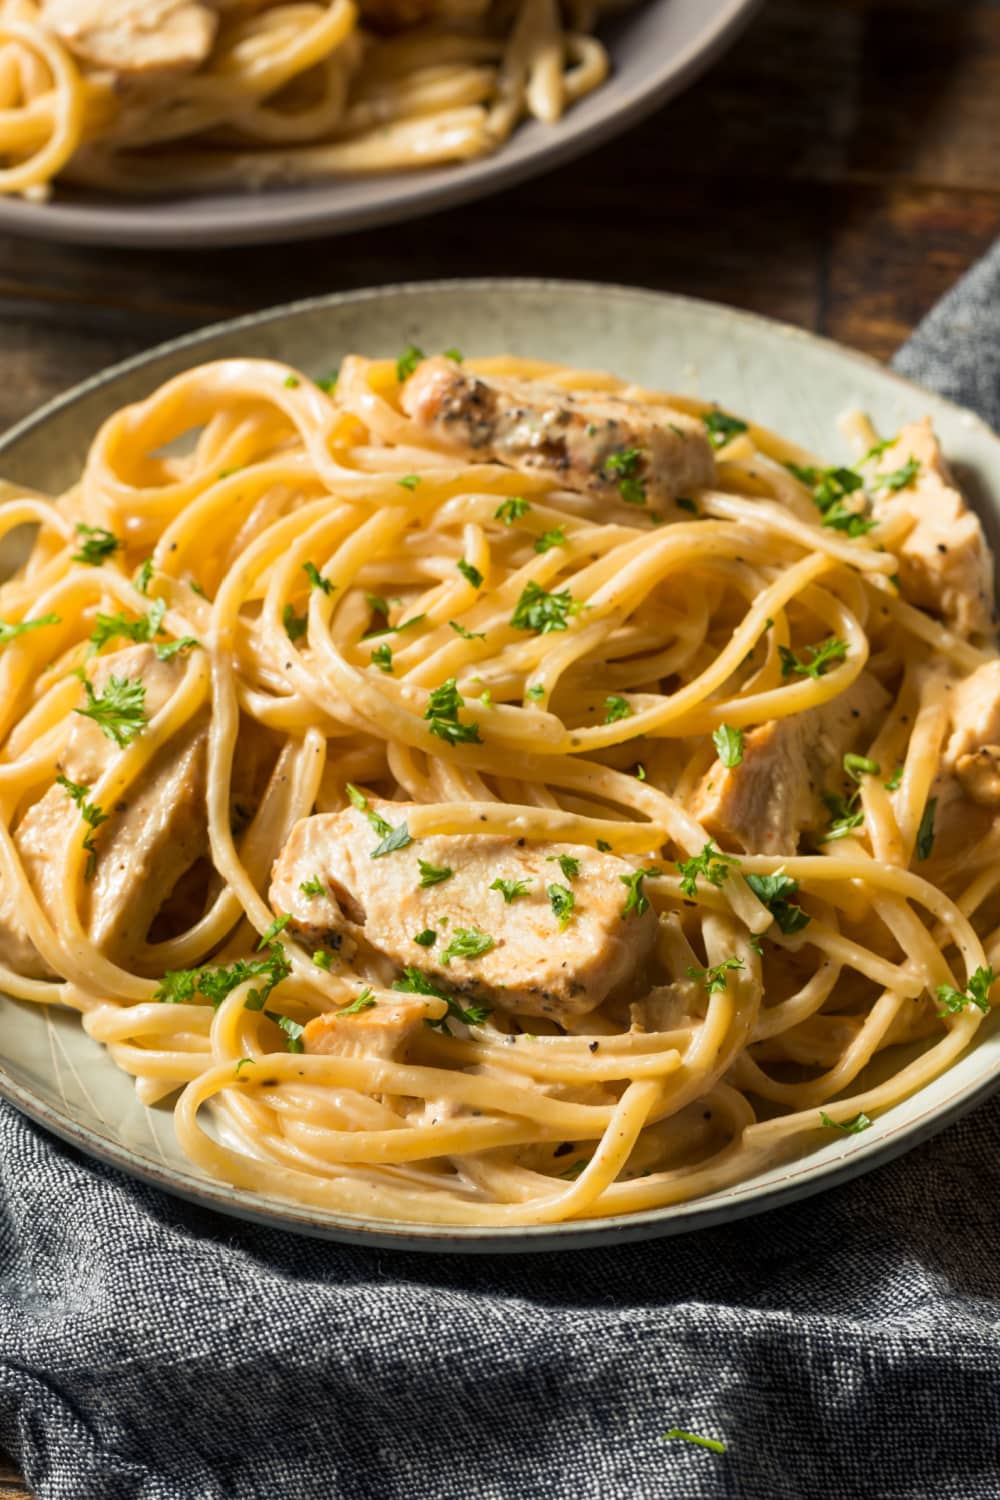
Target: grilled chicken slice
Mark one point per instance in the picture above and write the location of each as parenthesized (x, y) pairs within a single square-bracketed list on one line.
[(944, 563), (150, 840), (147, 40), (377, 907), (380, 1031), (595, 443), (774, 795)]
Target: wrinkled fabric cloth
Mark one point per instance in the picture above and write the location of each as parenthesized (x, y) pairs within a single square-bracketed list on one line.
[(844, 1348)]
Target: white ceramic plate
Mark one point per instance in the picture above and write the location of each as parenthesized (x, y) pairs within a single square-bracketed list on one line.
[(779, 376), (657, 48)]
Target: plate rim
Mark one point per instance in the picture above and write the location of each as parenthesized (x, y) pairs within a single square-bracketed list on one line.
[(124, 222), (800, 1179)]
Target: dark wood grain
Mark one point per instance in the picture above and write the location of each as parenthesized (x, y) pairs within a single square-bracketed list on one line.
[(838, 169), (11, 1484)]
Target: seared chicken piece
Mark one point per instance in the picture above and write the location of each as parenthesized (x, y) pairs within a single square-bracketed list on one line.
[(944, 563), (150, 839), (378, 905), (598, 444), (143, 39), (380, 1031), (774, 794)]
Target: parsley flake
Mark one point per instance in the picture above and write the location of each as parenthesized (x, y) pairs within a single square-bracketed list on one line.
[(316, 578), (91, 814), (10, 633), (977, 993), (714, 979), (511, 510), (722, 428), (728, 744), (615, 708), (511, 889), (97, 546), (925, 833), (408, 361), (549, 539), (314, 886), (774, 892), (471, 573), (120, 711), (467, 942), (711, 863), (541, 612), (433, 874), (820, 657), (562, 901), (849, 1127)]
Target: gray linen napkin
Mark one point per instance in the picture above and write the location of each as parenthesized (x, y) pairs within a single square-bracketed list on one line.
[(846, 1348)]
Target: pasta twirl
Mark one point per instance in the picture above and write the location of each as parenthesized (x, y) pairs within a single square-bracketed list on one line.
[(175, 96), (490, 793)]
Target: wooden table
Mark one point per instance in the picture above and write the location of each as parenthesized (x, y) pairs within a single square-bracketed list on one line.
[(839, 169)]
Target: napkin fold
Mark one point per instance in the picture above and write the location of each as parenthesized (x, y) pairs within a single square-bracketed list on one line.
[(845, 1348)]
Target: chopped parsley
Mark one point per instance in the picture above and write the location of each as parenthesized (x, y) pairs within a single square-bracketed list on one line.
[(471, 573), (830, 488), (604, 846), (562, 901), (820, 657), (181, 987), (396, 838), (467, 942), (542, 612), (408, 361), (293, 1029), (714, 979), (454, 354), (892, 785), (109, 627), (291, 381), (615, 708), (328, 383), (382, 657), (120, 711), (711, 863), (549, 539), (536, 691), (313, 886), (728, 743), (441, 713), (637, 901), (392, 838), (511, 510), (845, 816), (774, 892), (694, 1437), (427, 938), (10, 633), (977, 993), (363, 1001), (925, 833), (624, 467), (91, 814), (685, 503), (899, 479), (316, 578), (568, 863), (409, 482), (722, 428), (849, 1127), (416, 983), (856, 766), (511, 889), (98, 545), (432, 874), (295, 625), (277, 926), (144, 577), (167, 650), (467, 635), (322, 960)]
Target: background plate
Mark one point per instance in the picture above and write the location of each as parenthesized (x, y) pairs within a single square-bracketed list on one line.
[(777, 375), (656, 50)]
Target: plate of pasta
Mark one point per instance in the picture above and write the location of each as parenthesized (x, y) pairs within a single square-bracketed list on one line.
[(497, 765), (193, 122)]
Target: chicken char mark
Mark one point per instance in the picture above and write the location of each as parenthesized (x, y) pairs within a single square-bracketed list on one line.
[(593, 443)]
